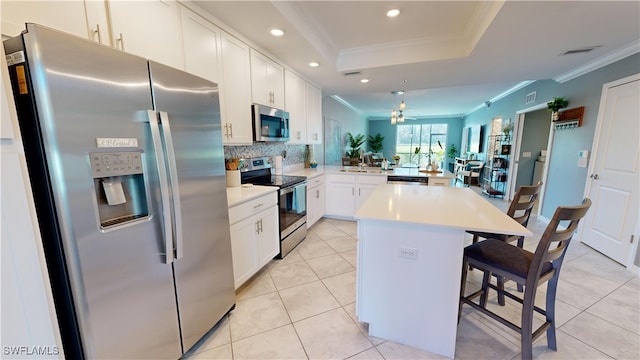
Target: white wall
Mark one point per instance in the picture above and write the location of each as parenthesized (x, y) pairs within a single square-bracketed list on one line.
[(350, 121)]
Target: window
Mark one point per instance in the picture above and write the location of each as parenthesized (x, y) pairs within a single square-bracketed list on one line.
[(419, 144)]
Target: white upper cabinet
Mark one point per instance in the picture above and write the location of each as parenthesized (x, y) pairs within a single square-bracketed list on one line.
[(97, 22), (201, 46), (235, 92), (267, 81), (149, 29), (294, 103), (314, 114), (68, 16)]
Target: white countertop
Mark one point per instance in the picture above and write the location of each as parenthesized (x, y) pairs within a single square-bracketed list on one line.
[(448, 207), (238, 195), (415, 172)]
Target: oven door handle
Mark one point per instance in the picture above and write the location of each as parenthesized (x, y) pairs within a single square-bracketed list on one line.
[(291, 189)]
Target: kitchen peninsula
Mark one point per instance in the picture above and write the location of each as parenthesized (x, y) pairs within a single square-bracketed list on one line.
[(410, 245)]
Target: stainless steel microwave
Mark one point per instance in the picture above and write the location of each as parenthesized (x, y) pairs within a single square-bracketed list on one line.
[(269, 124)]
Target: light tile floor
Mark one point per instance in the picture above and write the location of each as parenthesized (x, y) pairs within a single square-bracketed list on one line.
[(303, 307)]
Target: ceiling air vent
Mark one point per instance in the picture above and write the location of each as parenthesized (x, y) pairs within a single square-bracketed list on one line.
[(352, 73), (580, 51)]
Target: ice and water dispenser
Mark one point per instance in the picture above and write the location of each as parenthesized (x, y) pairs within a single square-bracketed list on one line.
[(119, 187)]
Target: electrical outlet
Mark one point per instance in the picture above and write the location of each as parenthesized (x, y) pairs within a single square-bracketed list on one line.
[(409, 253)]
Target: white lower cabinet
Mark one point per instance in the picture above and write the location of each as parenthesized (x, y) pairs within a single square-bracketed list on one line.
[(255, 237), (439, 181), (346, 193), (315, 200)]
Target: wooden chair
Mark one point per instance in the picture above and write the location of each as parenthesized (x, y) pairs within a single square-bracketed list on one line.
[(520, 210), (529, 269), (473, 169)]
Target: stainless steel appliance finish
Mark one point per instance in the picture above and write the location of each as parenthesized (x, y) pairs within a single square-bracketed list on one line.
[(292, 200), (407, 180), (269, 124), (139, 256), (292, 203)]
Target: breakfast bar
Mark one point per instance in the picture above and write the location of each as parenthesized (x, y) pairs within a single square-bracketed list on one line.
[(410, 245)]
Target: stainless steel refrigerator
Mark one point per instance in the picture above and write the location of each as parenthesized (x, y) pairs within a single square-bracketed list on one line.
[(126, 164)]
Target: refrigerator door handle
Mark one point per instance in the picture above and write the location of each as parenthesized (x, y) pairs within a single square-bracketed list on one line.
[(164, 186), (173, 180)]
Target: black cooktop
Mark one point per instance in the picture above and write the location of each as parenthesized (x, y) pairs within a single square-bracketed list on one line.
[(275, 180), (258, 172)]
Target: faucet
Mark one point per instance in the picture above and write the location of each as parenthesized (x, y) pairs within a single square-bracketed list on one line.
[(362, 164)]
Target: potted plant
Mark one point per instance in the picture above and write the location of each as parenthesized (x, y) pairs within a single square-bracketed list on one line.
[(452, 152), (416, 152), (375, 143), (354, 144), (555, 105), (508, 127)]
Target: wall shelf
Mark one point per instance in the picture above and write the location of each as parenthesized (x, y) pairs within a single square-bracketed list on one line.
[(569, 119)]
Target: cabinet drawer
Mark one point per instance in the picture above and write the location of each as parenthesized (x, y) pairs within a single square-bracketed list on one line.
[(433, 181), (372, 179), (244, 210), (331, 178), (316, 181)]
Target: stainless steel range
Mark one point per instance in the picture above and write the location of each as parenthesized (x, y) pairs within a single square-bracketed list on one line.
[(292, 200)]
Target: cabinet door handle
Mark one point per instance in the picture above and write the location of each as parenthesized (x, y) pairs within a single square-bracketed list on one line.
[(97, 31), (257, 227), (121, 41), (257, 205), (226, 130), (230, 130), (317, 194), (261, 228)]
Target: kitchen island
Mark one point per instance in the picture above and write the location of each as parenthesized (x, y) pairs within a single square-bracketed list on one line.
[(410, 245)]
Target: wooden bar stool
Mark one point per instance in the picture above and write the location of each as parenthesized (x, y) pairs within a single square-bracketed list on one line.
[(520, 210), (496, 257)]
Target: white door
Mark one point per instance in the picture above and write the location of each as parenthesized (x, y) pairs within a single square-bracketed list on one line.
[(611, 224)]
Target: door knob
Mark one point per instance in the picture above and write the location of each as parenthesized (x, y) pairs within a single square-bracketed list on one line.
[(594, 176)]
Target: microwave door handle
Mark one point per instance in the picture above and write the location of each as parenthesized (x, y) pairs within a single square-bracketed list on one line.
[(173, 181), (164, 187)]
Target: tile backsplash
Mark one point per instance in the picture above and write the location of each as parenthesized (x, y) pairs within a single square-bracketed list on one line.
[(294, 153)]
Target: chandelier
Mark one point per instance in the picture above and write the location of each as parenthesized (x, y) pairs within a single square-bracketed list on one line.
[(396, 115)]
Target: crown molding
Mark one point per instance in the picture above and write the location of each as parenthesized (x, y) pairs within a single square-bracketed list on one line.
[(504, 94), (345, 103), (602, 61)]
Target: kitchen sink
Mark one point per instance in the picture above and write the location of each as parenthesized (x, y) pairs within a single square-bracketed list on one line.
[(362, 171), (353, 170)]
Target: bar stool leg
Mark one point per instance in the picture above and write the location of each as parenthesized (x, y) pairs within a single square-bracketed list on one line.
[(485, 288), (552, 287)]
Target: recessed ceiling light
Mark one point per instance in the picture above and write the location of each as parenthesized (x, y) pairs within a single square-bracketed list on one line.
[(393, 13), (314, 64), (364, 81), (276, 32)]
